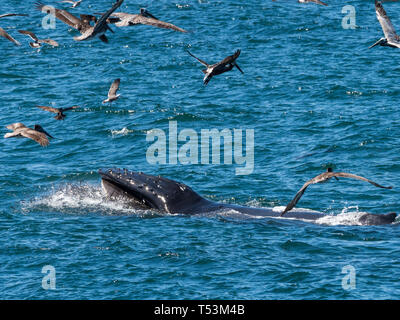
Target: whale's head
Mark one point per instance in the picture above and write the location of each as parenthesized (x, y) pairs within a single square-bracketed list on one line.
[(371, 219), (153, 192)]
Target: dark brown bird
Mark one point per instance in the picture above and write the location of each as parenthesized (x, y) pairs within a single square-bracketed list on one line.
[(4, 34), (112, 93), (323, 177), (37, 134), (59, 111), (38, 42), (82, 24), (144, 17), (218, 68)]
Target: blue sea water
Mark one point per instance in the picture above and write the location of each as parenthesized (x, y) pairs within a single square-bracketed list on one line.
[(315, 97)]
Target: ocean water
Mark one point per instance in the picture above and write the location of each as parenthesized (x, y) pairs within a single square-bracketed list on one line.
[(313, 93)]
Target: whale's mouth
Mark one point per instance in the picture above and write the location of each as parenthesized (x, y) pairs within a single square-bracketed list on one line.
[(152, 192), (119, 183)]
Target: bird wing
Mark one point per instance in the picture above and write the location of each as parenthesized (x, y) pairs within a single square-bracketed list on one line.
[(29, 34), (319, 2), (103, 19), (12, 14), (199, 60), (386, 24), (50, 109), (15, 126), (353, 176), (50, 42), (62, 15), (114, 88), (230, 59), (4, 34), (37, 136), (297, 197), (139, 19), (69, 108)]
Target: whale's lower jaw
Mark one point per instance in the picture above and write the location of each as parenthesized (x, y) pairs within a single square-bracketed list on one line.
[(165, 195)]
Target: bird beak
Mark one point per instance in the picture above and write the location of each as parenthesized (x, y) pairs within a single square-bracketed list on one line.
[(239, 68)]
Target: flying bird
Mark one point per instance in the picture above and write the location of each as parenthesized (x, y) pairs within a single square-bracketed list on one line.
[(82, 24), (4, 34), (391, 38), (59, 111), (144, 17), (73, 3), (323, 177), (38, 42), (101, 26), (12, 14), (218, 68), (112, 96), (314, 1), (37, 134)]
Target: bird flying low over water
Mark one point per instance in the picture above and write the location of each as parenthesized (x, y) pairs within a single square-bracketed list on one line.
[(391, 38), (59, 111), (73, 3), (4, 34), (37, 134), (218, 68), (12, 14), (38, 42), (82, 24), (121, 19), (100, 27), (112, 96), (313, 1), (323, 177)]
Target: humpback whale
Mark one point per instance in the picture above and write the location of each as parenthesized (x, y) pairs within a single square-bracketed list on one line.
[(165, 195)]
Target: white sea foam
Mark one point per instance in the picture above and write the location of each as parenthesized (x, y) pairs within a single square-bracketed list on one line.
[(79, 199), (124, 131)]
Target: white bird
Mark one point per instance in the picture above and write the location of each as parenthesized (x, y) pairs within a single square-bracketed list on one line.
[(112, 96), (391, 38)]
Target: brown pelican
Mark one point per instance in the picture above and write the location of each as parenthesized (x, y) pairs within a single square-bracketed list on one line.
[(220, 67), (74, 3), (81, 24), (144, 17), (4, 34), (112, 96), (323, 177), (38, 42), (37, 134), (391, 38), (100, 27), (12, 14), (59, 111), (315, 1)]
